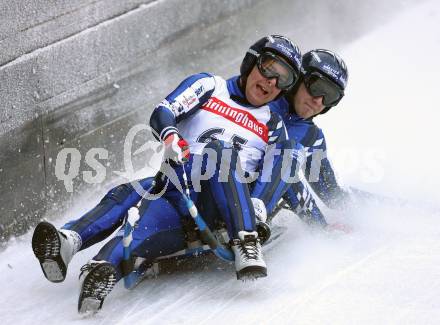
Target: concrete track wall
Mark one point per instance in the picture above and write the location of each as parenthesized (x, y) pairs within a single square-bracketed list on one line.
[(80, 73)]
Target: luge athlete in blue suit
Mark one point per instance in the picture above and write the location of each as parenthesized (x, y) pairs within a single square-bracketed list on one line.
[(321, 86)]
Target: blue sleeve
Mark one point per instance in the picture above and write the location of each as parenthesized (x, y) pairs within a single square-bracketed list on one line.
[(301, 201), (185, 100), (279, 173), (287, 184), (277, 129), (321, 175)]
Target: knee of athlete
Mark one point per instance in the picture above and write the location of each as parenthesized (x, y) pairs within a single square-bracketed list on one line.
[(120, 193), (281, 152), (223, 156), (219, 146)]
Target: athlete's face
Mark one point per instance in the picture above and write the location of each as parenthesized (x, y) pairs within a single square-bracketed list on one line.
[(259, 89), (305, 104)]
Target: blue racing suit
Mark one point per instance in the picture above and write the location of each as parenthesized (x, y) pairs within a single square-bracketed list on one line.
[(212, 115), (317, 168)]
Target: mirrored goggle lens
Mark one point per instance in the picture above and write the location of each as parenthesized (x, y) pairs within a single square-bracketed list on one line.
[(271, 66), (318, 85)]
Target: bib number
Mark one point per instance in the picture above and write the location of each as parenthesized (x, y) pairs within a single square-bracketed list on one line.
[(211, 134)]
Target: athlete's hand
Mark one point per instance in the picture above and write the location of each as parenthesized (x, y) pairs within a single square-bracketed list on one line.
[(176, 148), (260, 209)]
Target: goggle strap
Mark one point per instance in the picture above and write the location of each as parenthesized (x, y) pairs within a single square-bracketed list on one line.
[(253, 52)]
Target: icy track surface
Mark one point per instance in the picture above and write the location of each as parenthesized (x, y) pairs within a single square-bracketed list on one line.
[(386, 272)]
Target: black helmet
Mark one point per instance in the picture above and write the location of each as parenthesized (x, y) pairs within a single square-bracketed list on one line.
[(326, 65), (275, 44)]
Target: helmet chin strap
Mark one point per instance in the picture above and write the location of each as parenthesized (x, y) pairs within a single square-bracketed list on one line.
[(242, 84), (325, 110)]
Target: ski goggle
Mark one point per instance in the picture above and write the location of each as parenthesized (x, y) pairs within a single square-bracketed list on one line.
[(318, 85), (272, 66)]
